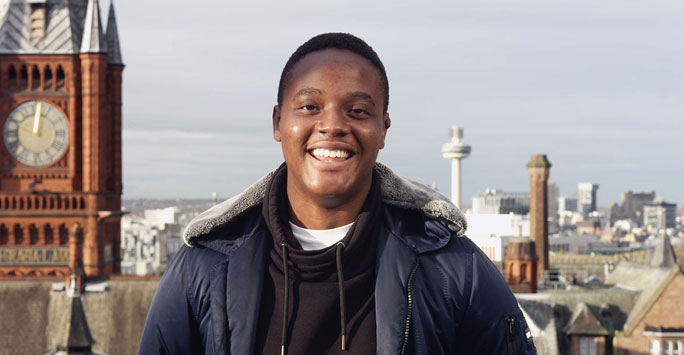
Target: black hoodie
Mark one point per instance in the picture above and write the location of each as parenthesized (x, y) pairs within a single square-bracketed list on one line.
[(314, 322)]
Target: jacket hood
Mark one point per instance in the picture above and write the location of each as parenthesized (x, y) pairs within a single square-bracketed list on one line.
[(396, 191)]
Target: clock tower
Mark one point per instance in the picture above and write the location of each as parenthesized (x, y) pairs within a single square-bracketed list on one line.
[(60, 157)]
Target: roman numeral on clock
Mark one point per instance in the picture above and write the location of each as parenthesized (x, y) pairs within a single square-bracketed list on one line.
[(13, 146)]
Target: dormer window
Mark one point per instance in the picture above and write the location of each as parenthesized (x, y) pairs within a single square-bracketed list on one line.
[(38, 15)]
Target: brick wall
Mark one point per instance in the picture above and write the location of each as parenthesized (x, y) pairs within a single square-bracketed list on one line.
[(667, 311)]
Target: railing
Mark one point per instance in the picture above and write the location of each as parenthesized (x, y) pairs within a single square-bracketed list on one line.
[(42, 202)]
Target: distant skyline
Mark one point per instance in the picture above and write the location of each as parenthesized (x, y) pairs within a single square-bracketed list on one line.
[(597, 86)]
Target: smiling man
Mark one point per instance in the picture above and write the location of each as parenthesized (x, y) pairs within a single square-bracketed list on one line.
[(332, 252)]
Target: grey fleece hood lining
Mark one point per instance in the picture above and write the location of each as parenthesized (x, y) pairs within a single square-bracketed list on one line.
[(396, 191)]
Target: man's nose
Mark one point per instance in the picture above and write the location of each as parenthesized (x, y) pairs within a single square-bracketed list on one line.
[(333, 122)]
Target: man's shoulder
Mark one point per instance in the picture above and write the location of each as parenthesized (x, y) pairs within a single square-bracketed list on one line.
[(194, 261)]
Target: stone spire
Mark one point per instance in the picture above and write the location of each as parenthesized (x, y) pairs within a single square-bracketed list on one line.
[(93, 37), (112, 37), (663, 255), (538, 170), (74, 335)]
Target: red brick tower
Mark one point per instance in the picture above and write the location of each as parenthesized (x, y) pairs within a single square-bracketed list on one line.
[(521, 266), (60, 161), (538, 170)]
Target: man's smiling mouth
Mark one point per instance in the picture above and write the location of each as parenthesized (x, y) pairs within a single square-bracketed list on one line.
[(336, 154)]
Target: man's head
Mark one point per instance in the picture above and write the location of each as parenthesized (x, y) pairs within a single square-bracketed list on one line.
[(331, 120), (334, 40)]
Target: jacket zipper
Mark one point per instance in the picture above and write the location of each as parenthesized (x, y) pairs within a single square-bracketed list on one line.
[(409, 311), (510, 334)]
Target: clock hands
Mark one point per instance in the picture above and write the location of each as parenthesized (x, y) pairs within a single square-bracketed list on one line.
[(36, 120)]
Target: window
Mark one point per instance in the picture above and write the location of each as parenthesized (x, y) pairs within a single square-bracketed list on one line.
[(673, 348), (587, 346), (23, 78), (654, 347), (523, 272), (60, 78), (12, 78), (35, 78), (48, 78)]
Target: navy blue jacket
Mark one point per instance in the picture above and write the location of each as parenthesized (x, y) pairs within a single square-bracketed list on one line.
[(435, 293)]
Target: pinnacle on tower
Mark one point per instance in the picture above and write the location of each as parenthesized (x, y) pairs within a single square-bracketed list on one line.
[(93, 38), (663, 255), (112, 37)]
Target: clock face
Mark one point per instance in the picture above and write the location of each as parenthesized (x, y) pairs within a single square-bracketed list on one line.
[(36, 133)]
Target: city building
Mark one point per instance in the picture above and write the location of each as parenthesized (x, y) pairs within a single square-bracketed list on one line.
[(660, 215), (633, 204), (570, 242), (60, 109), (637, 310), (495, 201), (490, 232), (586, 197), (148, 243), (553, 196), (60, 183), (589, 226), (567, 204)]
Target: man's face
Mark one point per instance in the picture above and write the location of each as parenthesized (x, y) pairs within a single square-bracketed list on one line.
[(331, 125)]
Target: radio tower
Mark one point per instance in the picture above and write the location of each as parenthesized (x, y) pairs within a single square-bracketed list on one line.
[(456, 150)]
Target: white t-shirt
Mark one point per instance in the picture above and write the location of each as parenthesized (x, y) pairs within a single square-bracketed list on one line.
[(316, 239)]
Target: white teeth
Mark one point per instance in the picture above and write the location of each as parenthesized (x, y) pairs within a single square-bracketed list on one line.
[(321, 152)]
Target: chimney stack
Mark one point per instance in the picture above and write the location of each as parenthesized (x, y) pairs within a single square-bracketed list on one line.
[(538, 170)]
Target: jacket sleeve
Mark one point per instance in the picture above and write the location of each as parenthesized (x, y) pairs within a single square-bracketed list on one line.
[(174, 322), (493, 323)]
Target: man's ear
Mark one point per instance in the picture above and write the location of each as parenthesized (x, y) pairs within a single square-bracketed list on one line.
[(386, 123), (276, 123)]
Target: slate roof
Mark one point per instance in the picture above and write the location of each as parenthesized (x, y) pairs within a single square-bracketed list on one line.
[(93, 31), (585, 322), (610, 306), (538, 311), (640, 256), (36, 320), (75, 331), (650, 280), (112, 38), (65, 28)]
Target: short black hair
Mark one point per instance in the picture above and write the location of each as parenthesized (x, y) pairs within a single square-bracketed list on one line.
[(344, 41)]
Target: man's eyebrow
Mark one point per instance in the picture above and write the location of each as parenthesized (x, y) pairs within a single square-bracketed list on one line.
[(308, 91), (361, 95)]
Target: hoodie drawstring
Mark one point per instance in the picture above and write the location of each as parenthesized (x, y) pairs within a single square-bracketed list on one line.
[(283, 336), (343, 304), (340, 283)]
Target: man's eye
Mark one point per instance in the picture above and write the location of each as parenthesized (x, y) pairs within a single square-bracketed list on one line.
[(358, 112), (308, 107)]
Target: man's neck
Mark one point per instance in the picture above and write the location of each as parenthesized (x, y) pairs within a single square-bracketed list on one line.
[(324, 212)]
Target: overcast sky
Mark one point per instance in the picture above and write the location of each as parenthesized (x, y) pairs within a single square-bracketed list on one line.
[(598, 86)]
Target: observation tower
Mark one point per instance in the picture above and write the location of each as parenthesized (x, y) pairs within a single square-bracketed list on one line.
[(456, 150)]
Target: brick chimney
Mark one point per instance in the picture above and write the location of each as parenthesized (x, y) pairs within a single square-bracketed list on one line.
[(538, 170)]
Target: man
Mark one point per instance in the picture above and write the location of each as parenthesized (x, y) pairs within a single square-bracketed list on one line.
[(332, 252)]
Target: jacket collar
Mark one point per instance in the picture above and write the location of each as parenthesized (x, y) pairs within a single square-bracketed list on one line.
[(396, 191)]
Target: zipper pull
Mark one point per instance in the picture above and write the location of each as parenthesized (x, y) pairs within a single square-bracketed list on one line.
[(511, 325)]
